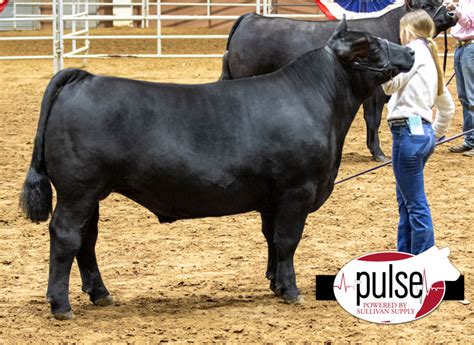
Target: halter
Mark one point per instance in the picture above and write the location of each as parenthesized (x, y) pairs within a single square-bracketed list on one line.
[(437, 10), (382, 69)]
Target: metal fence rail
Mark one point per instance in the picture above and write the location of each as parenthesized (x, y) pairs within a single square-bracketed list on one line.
[(79, 10), (80, 18)]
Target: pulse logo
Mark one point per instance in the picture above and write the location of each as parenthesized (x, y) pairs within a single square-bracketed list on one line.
[(394, 287)]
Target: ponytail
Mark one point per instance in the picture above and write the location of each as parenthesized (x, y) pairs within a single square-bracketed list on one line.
[(434, 54), (418, 24)]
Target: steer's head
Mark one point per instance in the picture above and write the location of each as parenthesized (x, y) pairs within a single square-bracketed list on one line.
[(370, 61), (442, 18), (370, 54)]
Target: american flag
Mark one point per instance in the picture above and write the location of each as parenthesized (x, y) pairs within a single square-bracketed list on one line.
[(3, 4), (355, 9)]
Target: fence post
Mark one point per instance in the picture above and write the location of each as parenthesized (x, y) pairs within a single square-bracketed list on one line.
[(208, 12), (14, 15), (142, 23), (54, 29), (147, 12), (86, 27), (58, 32), (158, 27), (73, 23)]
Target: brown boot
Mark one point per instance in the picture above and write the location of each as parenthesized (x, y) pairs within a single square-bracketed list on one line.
[(469, 153)]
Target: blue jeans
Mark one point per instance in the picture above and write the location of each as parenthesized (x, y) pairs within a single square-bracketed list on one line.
[(409, 156), (464, 68)]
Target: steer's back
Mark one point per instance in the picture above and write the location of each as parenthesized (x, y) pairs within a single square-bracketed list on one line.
[(260, 45)]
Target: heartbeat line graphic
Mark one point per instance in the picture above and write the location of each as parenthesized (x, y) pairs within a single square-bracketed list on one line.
[(435, 287), (343, 284), (424, 286)]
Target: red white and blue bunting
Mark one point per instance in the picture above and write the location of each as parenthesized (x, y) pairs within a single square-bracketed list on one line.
[(3, 4), (357, 9)]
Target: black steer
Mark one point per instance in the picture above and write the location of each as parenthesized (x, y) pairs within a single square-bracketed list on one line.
[(271, 144), (259, 45)]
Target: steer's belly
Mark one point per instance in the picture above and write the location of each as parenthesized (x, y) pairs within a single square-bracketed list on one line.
[(183, 201)]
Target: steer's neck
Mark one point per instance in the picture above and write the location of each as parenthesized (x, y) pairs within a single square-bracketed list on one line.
[(392, 22), (328, 87), (386, 26)]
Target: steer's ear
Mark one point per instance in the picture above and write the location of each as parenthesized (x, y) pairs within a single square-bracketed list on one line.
[(348, 45), (338, 35), (341, 28)]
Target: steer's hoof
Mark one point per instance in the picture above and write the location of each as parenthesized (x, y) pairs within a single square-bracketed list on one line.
[(276, 290), (104, 301), (298, 300), (68, 315), (380, 158)]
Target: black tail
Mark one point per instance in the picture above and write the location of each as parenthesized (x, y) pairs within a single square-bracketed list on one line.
[(36, 196)]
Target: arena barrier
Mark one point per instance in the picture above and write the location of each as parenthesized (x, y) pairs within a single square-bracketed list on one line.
[(79, 18)]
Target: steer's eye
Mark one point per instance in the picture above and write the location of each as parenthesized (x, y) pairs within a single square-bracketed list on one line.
[(375, 54)]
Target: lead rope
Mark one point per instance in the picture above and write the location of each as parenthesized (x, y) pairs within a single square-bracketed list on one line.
[(390, 161), (438, 143), (446, 57), (445, 51)]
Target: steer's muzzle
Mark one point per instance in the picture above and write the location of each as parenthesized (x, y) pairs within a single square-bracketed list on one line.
[(401, 59), (444, 19), (451, 14)]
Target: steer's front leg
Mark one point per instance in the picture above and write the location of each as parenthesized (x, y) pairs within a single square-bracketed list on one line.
[(289, 219)]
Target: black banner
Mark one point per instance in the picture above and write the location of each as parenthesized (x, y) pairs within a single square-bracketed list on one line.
[(325, 291)]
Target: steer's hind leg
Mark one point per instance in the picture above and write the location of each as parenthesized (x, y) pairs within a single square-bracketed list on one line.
[(289, 219), (67, 228), (373, 107), (91, 279), (268, 232)]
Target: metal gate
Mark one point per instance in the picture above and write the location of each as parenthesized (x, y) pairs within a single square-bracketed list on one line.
[(20, 10)]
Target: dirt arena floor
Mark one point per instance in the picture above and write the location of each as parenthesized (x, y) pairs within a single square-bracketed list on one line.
[(203, 280)]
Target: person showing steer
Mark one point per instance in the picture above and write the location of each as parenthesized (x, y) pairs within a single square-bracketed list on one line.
[(259, 45), (270, 144), (410, 118)]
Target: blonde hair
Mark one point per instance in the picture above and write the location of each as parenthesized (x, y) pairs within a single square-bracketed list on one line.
[(419, 25)]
